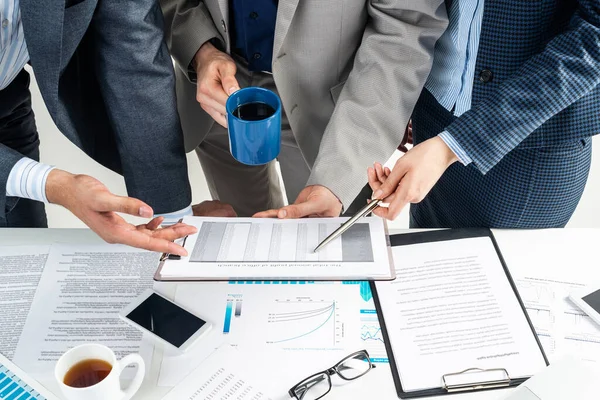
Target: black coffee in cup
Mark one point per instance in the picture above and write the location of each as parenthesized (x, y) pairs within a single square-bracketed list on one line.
[(254, 111), (87, 373)]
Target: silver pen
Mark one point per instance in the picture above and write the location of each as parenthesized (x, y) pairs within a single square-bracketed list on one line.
[(346, 225)]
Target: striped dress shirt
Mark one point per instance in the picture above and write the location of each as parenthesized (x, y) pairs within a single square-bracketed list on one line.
[(13, 50), (27, 178), (453, 70)]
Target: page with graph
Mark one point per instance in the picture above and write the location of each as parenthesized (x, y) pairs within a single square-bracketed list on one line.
[(15, 384), (302, 319), (242, 248)]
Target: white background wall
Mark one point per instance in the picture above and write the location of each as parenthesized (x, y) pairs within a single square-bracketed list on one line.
[(57, 150)]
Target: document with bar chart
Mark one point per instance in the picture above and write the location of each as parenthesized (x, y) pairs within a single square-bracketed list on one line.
[(250, 248), (16, 385)]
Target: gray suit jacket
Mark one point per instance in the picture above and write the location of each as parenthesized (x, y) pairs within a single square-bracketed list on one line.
[(348, 72), (107, 79)]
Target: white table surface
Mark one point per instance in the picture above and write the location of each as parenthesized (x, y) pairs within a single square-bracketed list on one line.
[(554, 248)]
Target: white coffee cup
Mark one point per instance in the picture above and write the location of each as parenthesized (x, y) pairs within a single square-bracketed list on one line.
[(110, 387)]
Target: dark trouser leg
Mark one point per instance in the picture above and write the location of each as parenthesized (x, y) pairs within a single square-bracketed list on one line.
[(18, 131)]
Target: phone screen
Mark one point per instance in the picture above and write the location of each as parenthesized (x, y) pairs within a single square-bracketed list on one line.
[(593, 300), (166, 320)]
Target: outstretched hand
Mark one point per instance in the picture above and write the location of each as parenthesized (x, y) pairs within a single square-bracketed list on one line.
[(89, 200)]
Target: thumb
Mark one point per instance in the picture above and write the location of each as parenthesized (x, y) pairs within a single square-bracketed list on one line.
[(126, 205), (228, 81), (300, 210)]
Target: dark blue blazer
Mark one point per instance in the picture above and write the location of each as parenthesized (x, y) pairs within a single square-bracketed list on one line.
[(537, 78), (107, 79)]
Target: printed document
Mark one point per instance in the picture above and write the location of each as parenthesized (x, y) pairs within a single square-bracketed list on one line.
[(17, 385), (223, 375), (452, 308), (243, 248), (324, 320), (77, 301), (547, 276), (20, 271)]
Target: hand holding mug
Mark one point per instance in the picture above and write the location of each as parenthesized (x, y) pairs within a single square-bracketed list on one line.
[(215, 72)]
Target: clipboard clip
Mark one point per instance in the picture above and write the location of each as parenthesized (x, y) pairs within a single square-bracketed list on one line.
[(461, 381)]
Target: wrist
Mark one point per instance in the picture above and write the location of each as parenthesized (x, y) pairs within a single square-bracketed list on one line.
[(59, 187), (450, 156), (206, 49)]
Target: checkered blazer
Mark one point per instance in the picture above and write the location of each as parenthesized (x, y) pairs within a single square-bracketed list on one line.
[(537, 79)]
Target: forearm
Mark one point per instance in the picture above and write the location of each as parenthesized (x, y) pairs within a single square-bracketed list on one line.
[(565, 71), (389, 72)]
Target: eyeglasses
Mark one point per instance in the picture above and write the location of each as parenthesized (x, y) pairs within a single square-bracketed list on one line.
[(318, 385)]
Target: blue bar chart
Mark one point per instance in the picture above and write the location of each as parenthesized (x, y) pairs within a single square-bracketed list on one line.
[(228, 312), (13, 388)]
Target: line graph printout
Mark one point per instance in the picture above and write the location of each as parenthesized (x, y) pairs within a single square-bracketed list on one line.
[(298, 318), (304, 321), (561, 327), (241, 248)]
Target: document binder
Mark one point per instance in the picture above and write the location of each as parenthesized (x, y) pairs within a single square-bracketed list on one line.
[(472, 379)]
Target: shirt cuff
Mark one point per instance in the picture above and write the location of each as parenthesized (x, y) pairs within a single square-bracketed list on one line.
[(174, 217), (462, 155), (27, 179)]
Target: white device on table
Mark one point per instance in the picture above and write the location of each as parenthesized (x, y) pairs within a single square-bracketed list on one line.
[(588, 300), (168, 324), (566, 379)]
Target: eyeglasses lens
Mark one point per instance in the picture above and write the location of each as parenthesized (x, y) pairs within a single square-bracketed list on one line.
[(313, 388), (354, 367)]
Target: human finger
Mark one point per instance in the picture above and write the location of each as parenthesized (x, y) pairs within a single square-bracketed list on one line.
[(209, 103), (372, 178), (174, 232), (267, 214), (404, 194), (304, 209), (230, 84), (391, 182), (155, 223), (107, 201), (142, 240), (217, 116), (380, 174), (381, 212)]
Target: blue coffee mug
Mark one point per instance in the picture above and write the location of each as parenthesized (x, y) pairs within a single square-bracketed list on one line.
[(253, 139)]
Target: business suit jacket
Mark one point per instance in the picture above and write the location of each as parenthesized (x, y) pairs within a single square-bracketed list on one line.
[(544, 60), (536, 103), (348, 72), (106, 77)]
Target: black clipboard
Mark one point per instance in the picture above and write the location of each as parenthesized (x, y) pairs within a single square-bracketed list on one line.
[(439, 236)]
